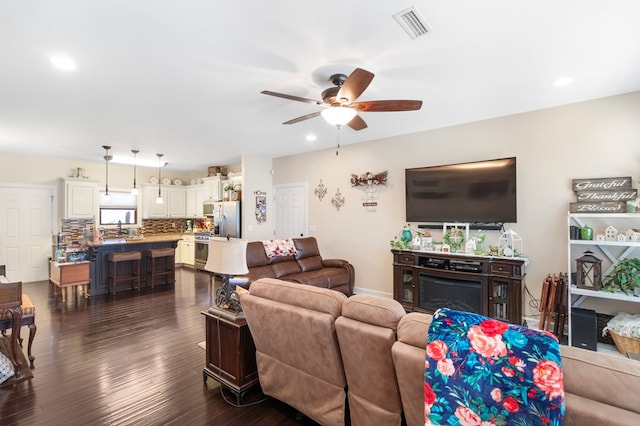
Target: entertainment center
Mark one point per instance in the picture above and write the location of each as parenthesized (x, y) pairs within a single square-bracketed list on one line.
[(489, 285)]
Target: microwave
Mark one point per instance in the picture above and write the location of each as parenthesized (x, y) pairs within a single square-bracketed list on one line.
[(209, 208)]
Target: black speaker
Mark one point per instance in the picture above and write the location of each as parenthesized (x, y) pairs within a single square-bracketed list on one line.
[(584, 329)]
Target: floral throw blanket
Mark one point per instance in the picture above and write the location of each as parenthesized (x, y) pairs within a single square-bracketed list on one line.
[(484, 372), (275, 248)]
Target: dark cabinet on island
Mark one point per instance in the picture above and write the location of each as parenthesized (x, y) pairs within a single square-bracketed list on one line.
[(99, 253)]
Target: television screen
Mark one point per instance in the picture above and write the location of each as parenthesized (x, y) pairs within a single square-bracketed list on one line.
[(477, 192)]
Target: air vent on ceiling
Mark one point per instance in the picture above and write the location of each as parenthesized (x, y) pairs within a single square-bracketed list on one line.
[(412, 22)]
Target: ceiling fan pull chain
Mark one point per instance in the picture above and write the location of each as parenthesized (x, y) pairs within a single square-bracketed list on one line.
[(338, 126)]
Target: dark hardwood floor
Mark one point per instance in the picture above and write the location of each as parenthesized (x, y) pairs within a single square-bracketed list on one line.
[(132, 359)]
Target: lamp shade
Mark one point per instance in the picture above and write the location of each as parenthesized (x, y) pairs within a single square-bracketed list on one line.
[(338, 116), (227, 256)]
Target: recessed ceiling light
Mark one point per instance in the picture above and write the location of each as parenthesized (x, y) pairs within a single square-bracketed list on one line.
[(563, 81), (63, 63), (311, 137)]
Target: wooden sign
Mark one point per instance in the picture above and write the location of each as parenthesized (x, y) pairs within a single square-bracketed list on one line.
[(613, 195), (602, 184), (599, 207)]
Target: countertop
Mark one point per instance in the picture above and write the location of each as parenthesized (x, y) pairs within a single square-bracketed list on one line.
[(146, 239)]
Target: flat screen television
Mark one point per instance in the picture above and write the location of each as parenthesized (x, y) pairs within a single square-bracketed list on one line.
[(481, 192)]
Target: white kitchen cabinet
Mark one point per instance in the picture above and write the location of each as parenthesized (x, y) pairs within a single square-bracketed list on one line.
[(212, 188), (176, 201), (151, 209), (610, 252), (195, 198), (178, 252), (188, 250), (79, 198)]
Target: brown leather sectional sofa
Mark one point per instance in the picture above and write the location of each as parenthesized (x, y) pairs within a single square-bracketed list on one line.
[(306, 267), (316, 349)]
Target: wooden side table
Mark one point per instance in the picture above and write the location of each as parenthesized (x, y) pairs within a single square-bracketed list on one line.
[(70, 274), (230, 354)]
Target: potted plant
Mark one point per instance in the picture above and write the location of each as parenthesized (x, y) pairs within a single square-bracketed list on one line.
[(625, 277), (227, 191)]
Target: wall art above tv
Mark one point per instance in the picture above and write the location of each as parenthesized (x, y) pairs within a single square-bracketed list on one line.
[(479, 193)]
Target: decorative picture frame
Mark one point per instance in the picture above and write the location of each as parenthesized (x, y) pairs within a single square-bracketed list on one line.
[(455, 235), (261, 208)]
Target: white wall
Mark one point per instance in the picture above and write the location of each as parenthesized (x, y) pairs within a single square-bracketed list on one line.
[(597, 138), (256, 177)]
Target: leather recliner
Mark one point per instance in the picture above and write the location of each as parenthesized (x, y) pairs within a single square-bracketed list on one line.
[(366, 331), (297, 352)]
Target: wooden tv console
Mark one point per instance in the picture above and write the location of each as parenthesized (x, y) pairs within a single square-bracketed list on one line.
[(493, 285)]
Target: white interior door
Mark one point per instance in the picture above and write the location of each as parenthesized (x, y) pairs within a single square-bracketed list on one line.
[(25, 232), (291, 216)]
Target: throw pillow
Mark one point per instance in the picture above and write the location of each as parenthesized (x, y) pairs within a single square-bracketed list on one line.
[(6, 368)]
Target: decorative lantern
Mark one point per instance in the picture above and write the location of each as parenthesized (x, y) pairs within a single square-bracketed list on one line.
[(588, 271), (510, 244)]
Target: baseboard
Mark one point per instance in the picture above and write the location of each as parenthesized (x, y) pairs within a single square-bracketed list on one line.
[(357, 290)]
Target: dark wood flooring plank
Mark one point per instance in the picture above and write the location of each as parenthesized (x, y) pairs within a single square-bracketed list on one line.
[(132, 359)]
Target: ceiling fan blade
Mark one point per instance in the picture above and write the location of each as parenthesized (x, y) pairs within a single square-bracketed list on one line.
[(302, 118), (291, 97), (357, 123), (388, 105), (353, 86)]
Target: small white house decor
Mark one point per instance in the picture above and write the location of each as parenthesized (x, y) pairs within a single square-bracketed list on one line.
[(633, 235), (611, 233), (510, 244)]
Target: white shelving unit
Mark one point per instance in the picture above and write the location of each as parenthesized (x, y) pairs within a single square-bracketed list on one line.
[(611, 253)]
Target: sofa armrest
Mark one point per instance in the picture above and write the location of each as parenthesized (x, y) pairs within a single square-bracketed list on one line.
[(341, 263), (334, 263)]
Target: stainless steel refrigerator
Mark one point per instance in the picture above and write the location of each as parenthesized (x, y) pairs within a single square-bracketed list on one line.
[(226, 218)]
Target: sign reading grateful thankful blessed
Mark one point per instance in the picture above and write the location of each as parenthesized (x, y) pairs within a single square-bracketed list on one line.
[(602, 195)]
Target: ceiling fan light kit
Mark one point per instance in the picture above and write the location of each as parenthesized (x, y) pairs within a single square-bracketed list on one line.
[(338, 116)]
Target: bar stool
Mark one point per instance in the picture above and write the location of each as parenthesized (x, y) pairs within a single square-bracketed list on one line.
[(163, 255), (134, 257)]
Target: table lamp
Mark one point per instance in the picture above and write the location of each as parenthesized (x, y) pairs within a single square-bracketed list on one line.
[(227, 257)]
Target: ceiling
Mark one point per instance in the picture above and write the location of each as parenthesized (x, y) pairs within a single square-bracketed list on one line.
[(183, 77)]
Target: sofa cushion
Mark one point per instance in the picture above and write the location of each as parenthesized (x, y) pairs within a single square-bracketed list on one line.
[(325, 277), (310, 263), (306, 247), (256, 255), (378, 311), (282, 268), (618, 379)]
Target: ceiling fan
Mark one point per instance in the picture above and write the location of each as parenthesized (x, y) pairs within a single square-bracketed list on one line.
[(340, 101)]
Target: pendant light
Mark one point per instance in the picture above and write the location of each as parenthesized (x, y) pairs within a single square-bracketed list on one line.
[(107, 158), (159, 200), (134, 190)]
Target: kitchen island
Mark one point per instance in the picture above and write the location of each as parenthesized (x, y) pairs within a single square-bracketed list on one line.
[(99, 252)]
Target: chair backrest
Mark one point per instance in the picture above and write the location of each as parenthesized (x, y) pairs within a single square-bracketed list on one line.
[(297, 352), (10, 294), (408, 359), (366, 332)]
